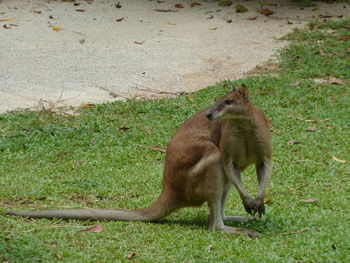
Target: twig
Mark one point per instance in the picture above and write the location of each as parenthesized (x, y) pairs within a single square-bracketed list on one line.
[(40, 228), (301, 119), (295, 232), (161, 92)]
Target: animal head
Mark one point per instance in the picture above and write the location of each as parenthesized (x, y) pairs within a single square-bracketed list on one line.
[(231, 106)]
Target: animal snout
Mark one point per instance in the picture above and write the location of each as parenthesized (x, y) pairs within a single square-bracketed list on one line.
[(209, 115)]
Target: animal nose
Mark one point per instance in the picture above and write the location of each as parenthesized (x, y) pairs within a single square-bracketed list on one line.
[(209, 115)]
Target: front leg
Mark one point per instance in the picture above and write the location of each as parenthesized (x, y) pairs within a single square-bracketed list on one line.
[(233, 174), (263, 172)]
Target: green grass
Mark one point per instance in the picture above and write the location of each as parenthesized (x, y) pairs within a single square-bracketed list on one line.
[(56, 161)]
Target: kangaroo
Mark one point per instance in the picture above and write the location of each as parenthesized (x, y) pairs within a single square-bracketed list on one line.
[(203, 160)]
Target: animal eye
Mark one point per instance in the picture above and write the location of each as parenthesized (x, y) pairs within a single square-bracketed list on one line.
[(228, 102)]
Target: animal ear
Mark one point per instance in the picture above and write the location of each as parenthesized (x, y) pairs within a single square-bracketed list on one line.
[(243, 90), (233, 87)]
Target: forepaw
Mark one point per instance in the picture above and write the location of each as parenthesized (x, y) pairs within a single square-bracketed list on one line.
[(254, 206)]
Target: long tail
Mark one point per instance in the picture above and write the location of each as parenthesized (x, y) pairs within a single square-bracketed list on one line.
[(162, 207)]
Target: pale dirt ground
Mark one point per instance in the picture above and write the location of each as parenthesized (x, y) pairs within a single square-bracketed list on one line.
[(94, 58)]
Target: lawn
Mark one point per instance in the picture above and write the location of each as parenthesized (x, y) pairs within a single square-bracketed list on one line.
[(102, 158)]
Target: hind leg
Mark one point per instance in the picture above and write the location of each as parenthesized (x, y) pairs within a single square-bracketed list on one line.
[(216, 202)]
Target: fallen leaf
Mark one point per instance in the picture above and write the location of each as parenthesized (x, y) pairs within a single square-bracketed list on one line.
[(158, 148), (118, 5), (76, 4), (165, 10), (50, 16), (139, 43), (193, 4), (266, 12), (80, 10), (36, 12), (56, 28), (252, 18), (308, 200), (241, 9), (124, 128), (311, 129), (289, 22), (338, 160), (295, 232), (87, 106), (82, 41), (292, 142), (225, 3), (295, 84), (7, 20), (334, 80), (95, 229), (213, 28), (120, 19), (58, 256), (210, 247), (210, 17), (190, 99), (130, 255), (13, 25), (6, 26), (179, 6), (170, 23), (267, 200)]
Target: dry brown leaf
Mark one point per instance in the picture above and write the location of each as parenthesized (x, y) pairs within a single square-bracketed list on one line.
[(267, 201), (139, 43), (7, 20), (95, 229), (334, 80), (252, 18), (193, 4), (120, 19), (124, 128), (82, 41), (210, 17), (308, 200), (213, 28), (50, 16), (118, 5), (58, 256), (80, 10), (295, 232), (56, 28), (170, 23), (76, 4), (130, 255), (179, 6), (88, 106), (36, 11), (266, 12), (6, 26), (292, 142), (338, 160), (158, 148), (312, 129), (190, 99), (13, 25)]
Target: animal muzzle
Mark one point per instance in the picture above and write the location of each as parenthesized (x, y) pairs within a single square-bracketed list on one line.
[(210, 115)]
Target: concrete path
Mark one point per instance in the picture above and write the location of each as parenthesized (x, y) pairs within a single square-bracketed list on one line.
[(73, 52)]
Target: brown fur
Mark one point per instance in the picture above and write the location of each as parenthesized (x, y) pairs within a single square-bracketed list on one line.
[(203, 160)]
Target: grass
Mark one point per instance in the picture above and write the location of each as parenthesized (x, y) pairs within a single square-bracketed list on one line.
[(55, 161)]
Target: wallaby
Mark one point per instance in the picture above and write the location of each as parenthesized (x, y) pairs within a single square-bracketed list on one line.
[(203, 159)]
